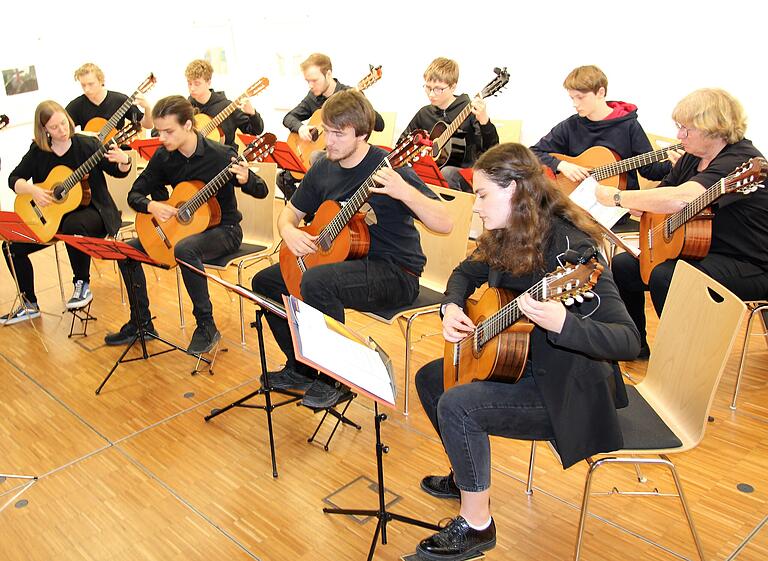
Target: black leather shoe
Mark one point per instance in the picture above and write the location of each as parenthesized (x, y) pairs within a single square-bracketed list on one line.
[(324, 393), (126, 334), (441, 486), (287, 379), (204, 339), (457, 541)]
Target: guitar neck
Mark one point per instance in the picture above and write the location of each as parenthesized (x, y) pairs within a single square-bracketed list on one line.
[(679, 218), (115, 118), (507, 315), (623, 166), (454, 126), (209, 190), (223, 114), (84, 168)]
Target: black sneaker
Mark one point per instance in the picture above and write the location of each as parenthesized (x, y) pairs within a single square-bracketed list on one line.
[(81, 296), (126, 334), (288, 379), (324, 393), (204, 339), (30, 310), (441, 486), (457, 541)]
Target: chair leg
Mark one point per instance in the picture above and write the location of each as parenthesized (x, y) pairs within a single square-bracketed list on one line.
[(181, 301), (58, 271), (529, 483), (684, 504), (744, 348), (240, 298), (406, 389)]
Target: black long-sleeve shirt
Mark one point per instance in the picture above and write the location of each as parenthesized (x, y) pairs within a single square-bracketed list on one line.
[(239, 119), (82, 110)]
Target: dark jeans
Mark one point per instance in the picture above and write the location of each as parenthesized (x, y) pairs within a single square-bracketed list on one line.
[(466, 415), (194, 250), (745, 280), (84, 221), (360, 284), (455, 179)]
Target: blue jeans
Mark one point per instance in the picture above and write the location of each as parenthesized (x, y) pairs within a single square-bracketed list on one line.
[(359, 284), (466, 415)]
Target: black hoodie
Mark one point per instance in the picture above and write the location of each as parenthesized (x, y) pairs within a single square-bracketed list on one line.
[(249, 124)]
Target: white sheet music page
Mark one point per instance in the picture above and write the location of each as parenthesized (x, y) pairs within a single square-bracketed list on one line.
[(323, 343), (584, 196)]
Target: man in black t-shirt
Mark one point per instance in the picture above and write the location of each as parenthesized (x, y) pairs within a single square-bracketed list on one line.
[(388, 276), (711, 125), (97, 101)]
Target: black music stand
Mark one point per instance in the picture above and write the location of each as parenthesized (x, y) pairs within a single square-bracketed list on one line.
[(382, 515), (32, 480), (114, 250), (426, 168)]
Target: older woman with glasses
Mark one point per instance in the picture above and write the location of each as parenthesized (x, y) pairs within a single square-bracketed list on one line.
[(711, 124)]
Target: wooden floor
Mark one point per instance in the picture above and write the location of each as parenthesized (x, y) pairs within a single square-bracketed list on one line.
[(137, 474)]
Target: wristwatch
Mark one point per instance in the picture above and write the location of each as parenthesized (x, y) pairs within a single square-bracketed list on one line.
[(617, 198)]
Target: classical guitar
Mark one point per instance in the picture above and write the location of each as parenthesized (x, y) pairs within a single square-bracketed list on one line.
[(4, 120), (197, 207), (443, 146), (606, 166), (69, 190), (209, 127), (305, 148), (498, 347), (341, 230), (106, 129), (688, 232)]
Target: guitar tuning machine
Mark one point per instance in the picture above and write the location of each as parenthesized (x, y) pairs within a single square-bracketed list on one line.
[(589, 295), (579, 298), (568, 301)]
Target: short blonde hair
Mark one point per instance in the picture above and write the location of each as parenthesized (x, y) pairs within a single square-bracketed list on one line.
[(442, 70), (43, 113), (87, 68), (586, 79), (323, 63), (714, 112), (199, 68)]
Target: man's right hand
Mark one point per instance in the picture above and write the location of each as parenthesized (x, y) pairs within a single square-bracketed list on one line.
[(298, 241), (161, 211)]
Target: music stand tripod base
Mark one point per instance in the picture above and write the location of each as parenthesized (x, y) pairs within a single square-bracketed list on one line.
[(84, 315)]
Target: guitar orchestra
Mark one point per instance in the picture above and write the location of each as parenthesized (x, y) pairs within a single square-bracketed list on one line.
[(515, 360)]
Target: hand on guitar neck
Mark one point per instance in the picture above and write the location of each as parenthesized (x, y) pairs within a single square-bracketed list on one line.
[(549, 314), (310, 133)]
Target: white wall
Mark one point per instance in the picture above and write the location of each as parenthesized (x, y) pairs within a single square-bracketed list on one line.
[(654, 53)]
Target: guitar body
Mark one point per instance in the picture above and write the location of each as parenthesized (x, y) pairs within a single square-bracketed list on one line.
[(201, 120), (502, 359), (305, 148), (691, 241), (441, 154), (352, 242), (591, 158), (160, 238), (44, 222), (96, 124)]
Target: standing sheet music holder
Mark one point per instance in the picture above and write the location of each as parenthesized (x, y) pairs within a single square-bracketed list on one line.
[(306, 324), (115, 250), (426, 168), (32, 480), (146, 147), (283, 155)]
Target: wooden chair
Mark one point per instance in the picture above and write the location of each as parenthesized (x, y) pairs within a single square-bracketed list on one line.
[(757, 308), (444, 252), (387, 136), (509, 130), (668, 410)]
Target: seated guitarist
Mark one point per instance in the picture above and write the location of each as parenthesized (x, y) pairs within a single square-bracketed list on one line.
[(318, 73), (389, 276), (597, 122), (711, 125), (97, 101), (208, 102), (56, 144), (476, 135), (184, 156), (571, 385)]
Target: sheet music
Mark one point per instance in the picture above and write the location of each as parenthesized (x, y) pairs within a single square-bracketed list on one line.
[(584, 196)]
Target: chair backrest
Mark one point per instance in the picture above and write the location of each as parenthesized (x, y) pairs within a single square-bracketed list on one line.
[(387, 136), (696, 333), (259, 219), (445, 251), (119, 188), (508, 130)]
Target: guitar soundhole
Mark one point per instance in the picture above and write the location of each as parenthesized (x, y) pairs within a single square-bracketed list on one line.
[(59, 193), (184, 216)]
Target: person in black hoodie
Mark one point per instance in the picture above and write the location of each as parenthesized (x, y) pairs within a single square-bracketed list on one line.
[(211, 103), (612, 124), (475, 135)]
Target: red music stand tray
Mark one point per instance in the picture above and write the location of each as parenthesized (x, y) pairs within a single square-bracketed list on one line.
[(283, 155), (426, 168), (146, 147)]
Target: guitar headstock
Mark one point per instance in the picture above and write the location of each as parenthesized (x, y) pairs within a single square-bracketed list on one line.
[(414, 146), (748, 177), (4, 120), (571, 281), (374, 75), (257, 87), (147, 84), (260, 148), (494, 86), (126, 134)]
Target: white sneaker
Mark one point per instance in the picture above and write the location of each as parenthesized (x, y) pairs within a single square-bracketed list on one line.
[(22, 313), (81, 296)]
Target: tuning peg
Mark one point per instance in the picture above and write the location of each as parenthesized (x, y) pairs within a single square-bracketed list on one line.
[(589, 295), (568, 301), (579, 298)]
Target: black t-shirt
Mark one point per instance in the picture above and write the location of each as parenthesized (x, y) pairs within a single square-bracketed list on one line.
[(82, 109), (740, 225), (394, 237)]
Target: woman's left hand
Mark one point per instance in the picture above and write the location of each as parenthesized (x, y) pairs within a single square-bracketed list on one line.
[(549, 315)]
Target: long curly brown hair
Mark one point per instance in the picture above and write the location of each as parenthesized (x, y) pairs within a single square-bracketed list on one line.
[(518, 248)]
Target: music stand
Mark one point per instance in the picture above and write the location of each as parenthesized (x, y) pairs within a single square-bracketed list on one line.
[(283, 155), (32, 478), (146, 147), (426, 168), (114, 250), (382, 514)]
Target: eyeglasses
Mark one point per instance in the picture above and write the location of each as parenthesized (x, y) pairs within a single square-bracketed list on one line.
[(684, 130), (437, 90)]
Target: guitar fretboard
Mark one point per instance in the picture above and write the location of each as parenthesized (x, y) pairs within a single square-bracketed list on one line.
[(506, 316), (623, 166), (679, 218)]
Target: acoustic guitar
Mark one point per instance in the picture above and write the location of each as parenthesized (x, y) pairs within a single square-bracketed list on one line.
[(607, 167), (341, 230), (209, 127), (106, 129), (68, 188), (687, 233), (443, 145), (498, 347), (305, 148), (197, 207)]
